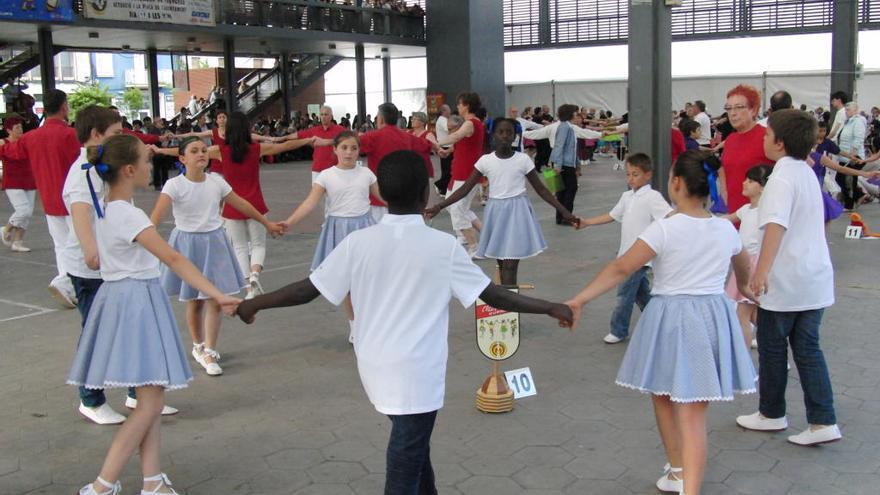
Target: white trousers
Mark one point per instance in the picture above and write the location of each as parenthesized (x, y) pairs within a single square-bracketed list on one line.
[(23, 203), (59, 232), (249, 242), (461, 213)]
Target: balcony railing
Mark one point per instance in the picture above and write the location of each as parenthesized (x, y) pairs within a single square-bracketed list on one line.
[(314, 16)]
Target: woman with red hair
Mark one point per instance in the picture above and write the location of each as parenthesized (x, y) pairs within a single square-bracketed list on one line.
[(744, 148), (18, 181)]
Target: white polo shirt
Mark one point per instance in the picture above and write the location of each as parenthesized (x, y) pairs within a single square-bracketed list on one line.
[(76, 190), (802, 277), (705, 128), (401, 275), (635, 211)]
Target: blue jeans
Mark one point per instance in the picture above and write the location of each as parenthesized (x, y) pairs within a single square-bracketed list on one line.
[(408, 459), (86, 288), (800, 329), (634, 290)]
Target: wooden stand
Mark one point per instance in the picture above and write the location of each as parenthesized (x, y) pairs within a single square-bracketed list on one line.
[(495, 396)]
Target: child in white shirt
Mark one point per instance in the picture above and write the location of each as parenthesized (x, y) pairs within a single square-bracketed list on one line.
[(636, 210), (794, 281), (401, 275)]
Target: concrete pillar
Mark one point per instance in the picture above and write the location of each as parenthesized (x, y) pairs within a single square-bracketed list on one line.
[(47, 58), (386, 77), (285, 82), (844, 46), (229, 74), (465, 50), (361, 82), (544, 21), (152, 60), (650, 85)]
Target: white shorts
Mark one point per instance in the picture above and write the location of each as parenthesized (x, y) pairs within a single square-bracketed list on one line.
[(462, 216)]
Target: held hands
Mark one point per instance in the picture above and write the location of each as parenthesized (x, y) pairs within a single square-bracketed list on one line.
[(277, 229), (572, 220), (432, 211), (582, 224), (757, 286), (246, 312), (228, 304), (564, 314), (576, 310)]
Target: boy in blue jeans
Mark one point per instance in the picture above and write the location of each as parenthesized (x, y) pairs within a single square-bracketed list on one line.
[(401, 275), (637, 208), (794, 282)]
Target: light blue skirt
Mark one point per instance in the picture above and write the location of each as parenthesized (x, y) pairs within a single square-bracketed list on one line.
[(130, 339), (212, 253), (689, 348), (510, 230), (335, 229)]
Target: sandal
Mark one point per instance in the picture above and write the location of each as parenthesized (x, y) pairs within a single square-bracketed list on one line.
[(163, 480), (112, 488)]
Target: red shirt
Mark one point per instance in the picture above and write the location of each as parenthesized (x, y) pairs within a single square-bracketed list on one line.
[(216, 165), (50, 150), (742, 151), (244, 178), (427, 155), (678, 146), (377, 144), (145, 138), (17, 175), (323, 157), (467, 152)]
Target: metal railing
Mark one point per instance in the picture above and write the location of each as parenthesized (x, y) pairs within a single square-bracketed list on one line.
[(321, 16)]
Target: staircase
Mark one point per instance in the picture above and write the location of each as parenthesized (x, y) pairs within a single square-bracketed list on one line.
[(267, 89), (18, 65)]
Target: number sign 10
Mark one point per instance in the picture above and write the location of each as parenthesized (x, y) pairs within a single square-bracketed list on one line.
[(521, 382)]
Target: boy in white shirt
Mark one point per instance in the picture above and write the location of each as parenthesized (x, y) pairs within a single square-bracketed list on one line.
[(395, 271), (636, 210), (794, 283)]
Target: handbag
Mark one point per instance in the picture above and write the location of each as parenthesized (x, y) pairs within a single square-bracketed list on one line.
[(553, 180)]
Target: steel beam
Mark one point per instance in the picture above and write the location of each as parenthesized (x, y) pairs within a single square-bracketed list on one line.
[(152, 60), (844, 46), (229, 73), (361, 82), (47, 59)]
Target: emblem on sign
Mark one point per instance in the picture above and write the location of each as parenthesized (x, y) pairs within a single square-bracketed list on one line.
[(497, 331)]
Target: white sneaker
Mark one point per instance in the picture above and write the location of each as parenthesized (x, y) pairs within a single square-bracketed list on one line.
[(102, 415), (667, 484), (166, 411), (214, 368), (808, 437), (612, 339), (254, 280), (758, 422), (5, 236), (63, 296), (19, 247)]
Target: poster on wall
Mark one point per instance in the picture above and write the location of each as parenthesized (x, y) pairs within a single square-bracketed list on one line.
[(190, 12), (36, 10)]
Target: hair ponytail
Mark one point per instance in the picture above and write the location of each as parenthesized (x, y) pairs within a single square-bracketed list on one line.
[(699, 170), (107, 159)]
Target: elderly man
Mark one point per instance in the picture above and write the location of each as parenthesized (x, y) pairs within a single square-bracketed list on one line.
[(851, 140), (442, 132), (524, 125), (323, 156)]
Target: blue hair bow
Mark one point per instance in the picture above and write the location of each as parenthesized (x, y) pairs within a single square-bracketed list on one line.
[(102, 168), (180, 168), (718, 205)]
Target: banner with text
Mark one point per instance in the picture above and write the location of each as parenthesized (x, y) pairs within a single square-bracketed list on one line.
[(36, 10), (190, 12)]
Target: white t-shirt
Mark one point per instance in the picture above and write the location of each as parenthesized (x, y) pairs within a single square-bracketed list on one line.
[(635, 211), (348, 190), (749, 230), (705, 128), (839, 120), (507, 177), (196, 205), (442, 128), (802, 277), (122, 257), (401, 275), (693, 254), (76, 190)]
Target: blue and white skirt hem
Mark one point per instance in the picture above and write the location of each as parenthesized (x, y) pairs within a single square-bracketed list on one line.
[(112, 384), (686, 400), (510, 230), (212, 253)]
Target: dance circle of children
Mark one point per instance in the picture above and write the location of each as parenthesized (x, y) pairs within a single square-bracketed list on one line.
[(690, 347)]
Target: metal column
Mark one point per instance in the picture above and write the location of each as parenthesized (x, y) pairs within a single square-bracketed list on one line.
[(285, 83), (361, 82), (650, 85), (47, 59), (544, 22), (386, 77), (152, 60), (844, 47), (229, 73)]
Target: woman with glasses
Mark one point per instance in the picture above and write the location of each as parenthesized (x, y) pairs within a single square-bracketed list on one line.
[(744, 148)]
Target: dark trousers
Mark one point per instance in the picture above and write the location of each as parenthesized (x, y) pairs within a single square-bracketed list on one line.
[(445, 174), (408, 468), (566, 196), (85, 289), (849, 187), (542, 157), (160, 171), (776, 330)]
